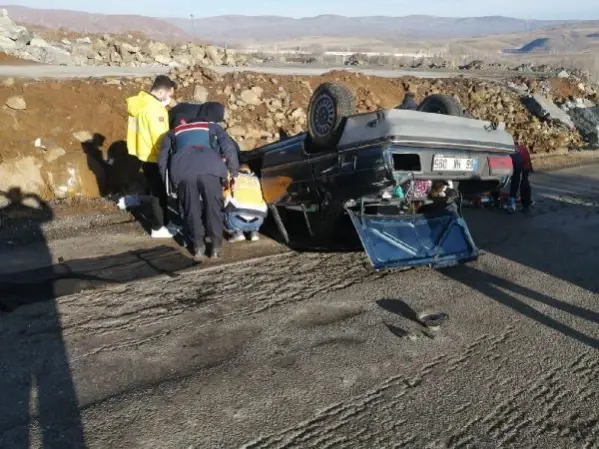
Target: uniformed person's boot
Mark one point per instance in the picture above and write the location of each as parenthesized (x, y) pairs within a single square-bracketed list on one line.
[(215, 251), (199, 253)]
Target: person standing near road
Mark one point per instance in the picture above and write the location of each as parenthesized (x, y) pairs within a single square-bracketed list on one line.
[(196, 158), (520, 180), (148, 123)]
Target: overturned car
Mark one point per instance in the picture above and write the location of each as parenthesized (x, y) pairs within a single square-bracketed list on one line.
[(397, 175)]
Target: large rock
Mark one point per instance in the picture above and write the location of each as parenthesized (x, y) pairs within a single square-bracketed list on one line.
[(250, 97), (38, 42), (212, 55), (586, 121), (545, 109), (83, 136), (6, 24), (125, 47), (97, 46), (127, 52), (163, 59), (200, 94), (20, 35), (57, 56), (24, 173), (16, 103), (83, 54), (74, 174), (156, 49), (197, 52), (6, 43), (53, 153), (50, 55), (183, 60)]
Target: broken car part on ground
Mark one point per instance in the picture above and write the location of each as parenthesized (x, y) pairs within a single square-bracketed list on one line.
[(399, 175)]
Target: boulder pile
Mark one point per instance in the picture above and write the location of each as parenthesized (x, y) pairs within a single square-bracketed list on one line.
[(476, 65), (262, 107), (108, 50)]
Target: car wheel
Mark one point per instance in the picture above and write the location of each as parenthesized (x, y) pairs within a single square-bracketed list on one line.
[(441, 104), (330, 105)]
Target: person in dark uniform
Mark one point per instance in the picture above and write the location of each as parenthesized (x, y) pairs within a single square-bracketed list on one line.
[(183, 111), (196, 158)]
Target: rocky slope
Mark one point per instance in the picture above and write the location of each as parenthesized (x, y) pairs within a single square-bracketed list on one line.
[(107, 49), (63, 139)]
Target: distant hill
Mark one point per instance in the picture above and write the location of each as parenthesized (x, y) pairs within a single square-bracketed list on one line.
[(83, 22), (245, 30), (537, 45), (234, 29), (560, 41)]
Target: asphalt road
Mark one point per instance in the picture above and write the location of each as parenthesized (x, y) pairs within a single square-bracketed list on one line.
[(67, 72), (313, 350)]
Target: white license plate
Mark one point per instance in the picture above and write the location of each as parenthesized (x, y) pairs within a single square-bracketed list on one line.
[(446, 163)]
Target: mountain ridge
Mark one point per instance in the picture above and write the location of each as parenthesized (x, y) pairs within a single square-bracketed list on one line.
[(240, 29)]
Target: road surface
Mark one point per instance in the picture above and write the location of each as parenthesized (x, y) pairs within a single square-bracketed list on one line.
[(67, 72), (313, 350)]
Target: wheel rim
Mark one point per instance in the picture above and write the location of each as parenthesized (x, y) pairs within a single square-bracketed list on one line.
[(324, 115)]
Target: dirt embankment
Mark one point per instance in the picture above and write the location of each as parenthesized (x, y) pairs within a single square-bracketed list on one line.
[(61, 139)]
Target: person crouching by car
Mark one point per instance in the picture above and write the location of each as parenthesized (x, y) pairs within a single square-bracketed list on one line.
[(245, 208), (197, 157)]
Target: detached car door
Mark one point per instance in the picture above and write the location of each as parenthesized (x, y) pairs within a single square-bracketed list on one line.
[(394, 241)]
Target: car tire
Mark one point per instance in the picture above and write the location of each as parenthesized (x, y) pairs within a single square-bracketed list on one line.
[(441, 104), (329, 107)]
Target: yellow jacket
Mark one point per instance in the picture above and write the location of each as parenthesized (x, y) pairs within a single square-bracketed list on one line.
[(148, 123), (246, 197)]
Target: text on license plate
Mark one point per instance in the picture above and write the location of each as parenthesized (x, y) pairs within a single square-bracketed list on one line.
[(445, 163)]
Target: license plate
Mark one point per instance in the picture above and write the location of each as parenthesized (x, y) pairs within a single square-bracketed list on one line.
[(447, 163)]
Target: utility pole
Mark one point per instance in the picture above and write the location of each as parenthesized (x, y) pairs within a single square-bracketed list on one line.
[(193, 26)]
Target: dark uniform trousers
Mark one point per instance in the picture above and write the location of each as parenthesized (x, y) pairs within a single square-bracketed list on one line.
[(201, 198)]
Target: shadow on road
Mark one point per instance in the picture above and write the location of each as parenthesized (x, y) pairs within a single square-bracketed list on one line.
[(506, 292), (74, 276), (559, 237), (36, 383)]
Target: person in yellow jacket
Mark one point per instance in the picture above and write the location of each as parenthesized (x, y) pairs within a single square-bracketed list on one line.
[(245, 208), (148, 123)]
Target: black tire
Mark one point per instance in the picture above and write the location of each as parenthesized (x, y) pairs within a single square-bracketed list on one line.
[(441, 104), (330, 105)]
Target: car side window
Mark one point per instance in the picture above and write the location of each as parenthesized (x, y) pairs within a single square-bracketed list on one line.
[(313, 150)]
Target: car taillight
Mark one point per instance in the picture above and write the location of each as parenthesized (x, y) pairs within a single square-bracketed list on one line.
[(500, 162)]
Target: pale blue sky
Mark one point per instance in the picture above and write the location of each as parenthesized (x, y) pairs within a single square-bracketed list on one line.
[(528, 9)]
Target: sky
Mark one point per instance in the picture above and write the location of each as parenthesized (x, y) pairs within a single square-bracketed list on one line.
[(526, 9)]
